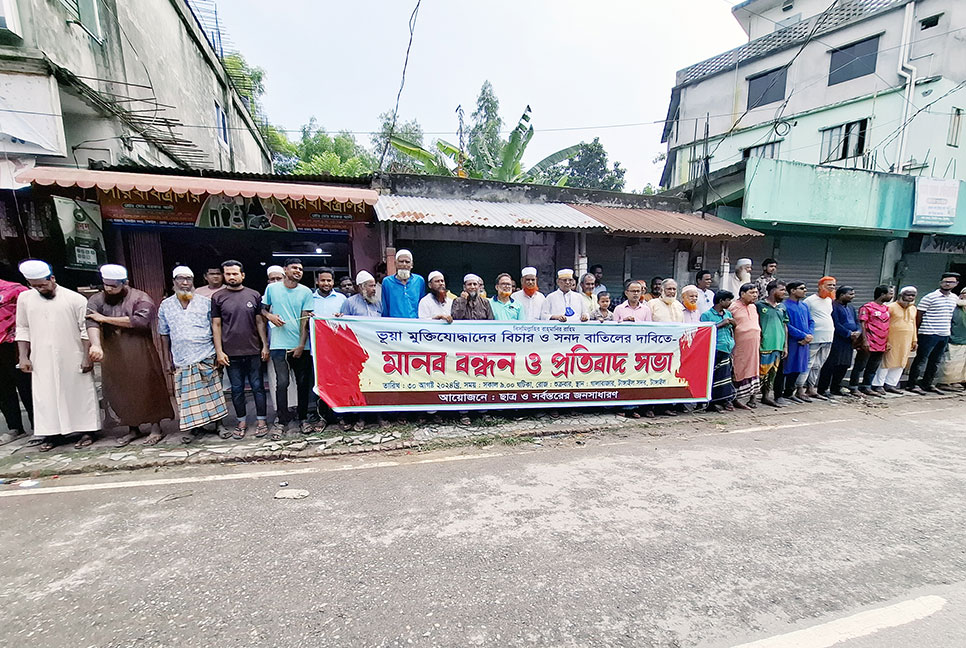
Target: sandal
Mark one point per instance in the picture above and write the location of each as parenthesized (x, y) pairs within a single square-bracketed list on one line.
[(126, 440), (277, 433), (261, 429), (154, 439), (83, 442), (46, 446), (359, 425), (465, 421), (224, 433), (239, 432)]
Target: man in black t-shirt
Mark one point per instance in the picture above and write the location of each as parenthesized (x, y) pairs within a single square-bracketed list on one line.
[(241, 344)]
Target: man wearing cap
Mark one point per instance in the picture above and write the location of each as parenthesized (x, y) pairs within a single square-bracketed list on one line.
[(402, 291), (735, 280), (438, 303), (119, 322), (935, 317), (55, 350), (473, 306), (365, 303), (184, 324), (502, 304), (12, 382), (529, 296), (563, 304), (275, 273), (901, 340), (241, 344)]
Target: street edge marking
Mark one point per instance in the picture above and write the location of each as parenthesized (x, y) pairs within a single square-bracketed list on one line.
[(928, 411), (854, 626), (787, 426)]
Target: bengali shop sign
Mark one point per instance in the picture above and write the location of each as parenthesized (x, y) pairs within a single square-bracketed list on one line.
[(398, 364)]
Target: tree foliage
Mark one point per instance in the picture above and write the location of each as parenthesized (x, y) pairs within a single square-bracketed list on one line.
[(319, 153), (410, 131), (588, 169)]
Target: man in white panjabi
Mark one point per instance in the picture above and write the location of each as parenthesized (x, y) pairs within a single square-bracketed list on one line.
[(564, 304), (54, 348), (735, 280), (529, 296)]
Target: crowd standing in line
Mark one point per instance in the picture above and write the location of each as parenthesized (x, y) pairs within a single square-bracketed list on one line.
[(776, 344)]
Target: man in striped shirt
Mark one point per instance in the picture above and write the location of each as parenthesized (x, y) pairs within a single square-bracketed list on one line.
[(935, 319)]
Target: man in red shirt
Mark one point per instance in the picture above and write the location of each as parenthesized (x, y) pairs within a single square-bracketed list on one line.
[(12, 381), (874, 320)]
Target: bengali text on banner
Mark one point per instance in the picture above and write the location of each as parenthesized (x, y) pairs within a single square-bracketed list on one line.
[(387, 364)]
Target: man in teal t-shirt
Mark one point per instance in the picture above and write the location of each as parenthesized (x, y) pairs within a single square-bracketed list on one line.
[(288, 306), (502, 305)]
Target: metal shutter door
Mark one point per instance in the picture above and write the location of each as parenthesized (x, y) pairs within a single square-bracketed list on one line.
[(654, 258), (857, 263), (800, 258)]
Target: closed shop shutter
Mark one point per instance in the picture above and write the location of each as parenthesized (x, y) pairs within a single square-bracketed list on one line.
[(801, 258), (608, 251), (654, 258), (857, 263)]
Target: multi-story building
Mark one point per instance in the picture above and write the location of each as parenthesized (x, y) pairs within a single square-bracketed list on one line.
[(114, 82), (834, 130), (869, 84)]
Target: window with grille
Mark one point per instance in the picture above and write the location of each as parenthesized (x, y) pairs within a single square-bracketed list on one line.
[(767, 88), (845, 141), (769, 150), (853, 61)]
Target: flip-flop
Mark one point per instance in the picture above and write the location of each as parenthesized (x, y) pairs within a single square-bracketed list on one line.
[(239, 432), (154, 439), (261, 429), (84, 442), (277, 433), (46, 446), (125, 440), (224, 433)]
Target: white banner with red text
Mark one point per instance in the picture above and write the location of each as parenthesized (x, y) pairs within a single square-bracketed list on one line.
[(381, 365)]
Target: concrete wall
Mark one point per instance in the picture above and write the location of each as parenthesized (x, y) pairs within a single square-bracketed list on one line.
[(152, 43), (758, 18), (813, 105)]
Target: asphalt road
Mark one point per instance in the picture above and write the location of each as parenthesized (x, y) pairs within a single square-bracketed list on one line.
[(840, 528)]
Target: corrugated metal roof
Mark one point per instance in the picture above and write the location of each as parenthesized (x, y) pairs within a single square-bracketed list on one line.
[(844, 13), (479, 213), (656, 222)]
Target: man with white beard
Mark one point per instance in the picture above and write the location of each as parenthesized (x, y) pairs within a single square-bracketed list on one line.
[(742, 275), (184, 324), (402, 291), (364, 303)]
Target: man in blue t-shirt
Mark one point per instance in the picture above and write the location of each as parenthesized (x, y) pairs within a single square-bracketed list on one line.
[(288, 306)]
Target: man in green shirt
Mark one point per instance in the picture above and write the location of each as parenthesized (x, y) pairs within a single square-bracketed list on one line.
[(773, 319), (502, 305)]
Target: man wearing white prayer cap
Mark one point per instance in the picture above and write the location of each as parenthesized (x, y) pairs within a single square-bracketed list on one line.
[(438, 303), (402, 291), (187, 340), (741, 275), (529, 296), (120, 320), (474, 306), (275, 273), (55, 350), (364, 303), (563, 304)]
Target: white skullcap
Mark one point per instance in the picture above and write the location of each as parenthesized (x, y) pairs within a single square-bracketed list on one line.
[(743, 262), (35, 269), (909, 289), (432, 275), (529, 271), (566, 272), (181, 271), (472, 277), (401, 253), (363, 277), (113, 272), (689, 288), (272, 269)]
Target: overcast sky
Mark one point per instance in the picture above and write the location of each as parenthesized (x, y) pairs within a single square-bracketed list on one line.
[(579, 65)]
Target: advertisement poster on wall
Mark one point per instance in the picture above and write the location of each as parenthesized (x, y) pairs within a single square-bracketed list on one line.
[(80, 221)]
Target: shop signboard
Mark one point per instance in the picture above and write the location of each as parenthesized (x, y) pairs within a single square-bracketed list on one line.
[(381, 365), (936, 202), (217, 211)]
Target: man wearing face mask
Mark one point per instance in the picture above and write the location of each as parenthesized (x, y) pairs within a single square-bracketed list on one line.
[(438, 304), (402, 291), (529, 297), (473, 306)]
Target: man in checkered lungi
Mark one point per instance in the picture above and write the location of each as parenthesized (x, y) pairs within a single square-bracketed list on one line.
[(184, 322)]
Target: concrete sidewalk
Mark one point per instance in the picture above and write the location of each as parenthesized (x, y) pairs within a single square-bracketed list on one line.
[(19, 461)]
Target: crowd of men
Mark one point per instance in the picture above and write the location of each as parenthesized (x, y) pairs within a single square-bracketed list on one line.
[(776, 344)]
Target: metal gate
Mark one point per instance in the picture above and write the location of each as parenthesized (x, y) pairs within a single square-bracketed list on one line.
[(857, 263), (801, 258)]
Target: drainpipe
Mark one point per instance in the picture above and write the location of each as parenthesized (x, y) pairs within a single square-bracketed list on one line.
[(908, 72)]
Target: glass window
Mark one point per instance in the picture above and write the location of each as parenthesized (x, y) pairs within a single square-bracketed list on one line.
[(853, 61), (767, 88), (955, 127), (930, 22), (769, 150), (221, 123), (845, 141)]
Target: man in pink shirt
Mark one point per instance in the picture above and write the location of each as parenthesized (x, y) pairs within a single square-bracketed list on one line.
[(874, 320), (12, 381), (633, 310)]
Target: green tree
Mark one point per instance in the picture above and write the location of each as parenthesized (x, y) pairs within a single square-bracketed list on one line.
[(410, 131), (588, 169), (320, 153), (483, 141), (248, 81)]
